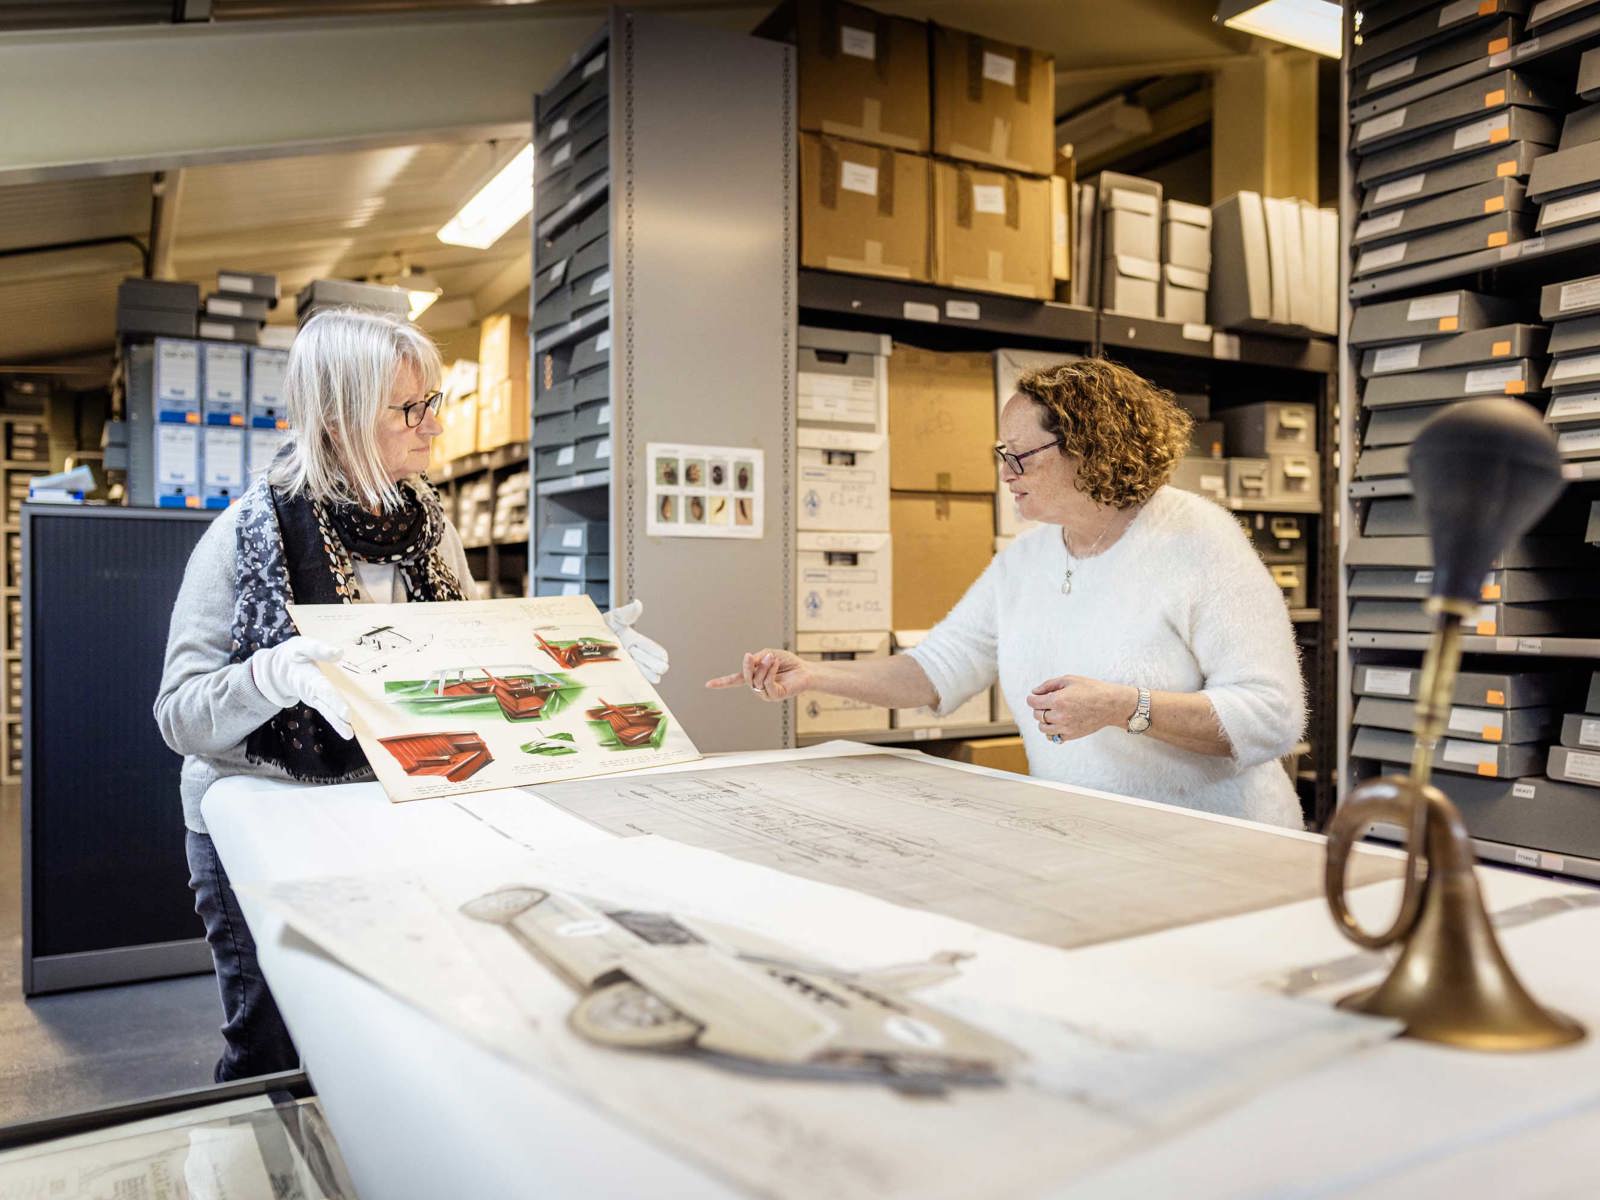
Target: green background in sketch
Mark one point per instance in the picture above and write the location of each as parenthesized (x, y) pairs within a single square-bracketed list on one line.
[(517, 693)]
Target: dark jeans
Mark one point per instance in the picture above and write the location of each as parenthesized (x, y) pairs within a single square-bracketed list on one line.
[(257, 1041)]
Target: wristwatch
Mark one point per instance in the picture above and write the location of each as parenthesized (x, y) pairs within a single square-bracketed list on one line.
[(1140, 721)]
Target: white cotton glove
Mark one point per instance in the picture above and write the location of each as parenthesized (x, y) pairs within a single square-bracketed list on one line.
[(286, 674), (648, 655)]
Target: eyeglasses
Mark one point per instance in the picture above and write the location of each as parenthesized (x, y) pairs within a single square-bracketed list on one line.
[(415, 410), (1014, 461)]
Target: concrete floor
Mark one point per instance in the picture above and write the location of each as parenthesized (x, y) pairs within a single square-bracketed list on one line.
[(81, 1050)]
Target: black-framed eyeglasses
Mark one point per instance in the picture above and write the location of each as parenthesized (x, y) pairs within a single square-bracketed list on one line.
[(1014, 461), (415, 410)]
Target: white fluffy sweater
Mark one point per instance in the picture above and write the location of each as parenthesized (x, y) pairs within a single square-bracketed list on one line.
[(1179, 603)]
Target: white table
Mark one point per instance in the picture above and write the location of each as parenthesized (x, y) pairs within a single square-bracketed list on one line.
[(420, 1111)]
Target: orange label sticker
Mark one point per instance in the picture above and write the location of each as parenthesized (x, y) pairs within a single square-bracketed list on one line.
[(1507, 168), (192, 418), (1494, 204), (1500, 348), (1491, 734), (1495, 98), (1491, 696), (1498, 238), (1488, 8), (283, 424), (1498, 46), (191, 501), (1449, 324), (1485, 628), (1501, 134), (1516, 387), (1491, 591), (235, 419), (1489, 769)]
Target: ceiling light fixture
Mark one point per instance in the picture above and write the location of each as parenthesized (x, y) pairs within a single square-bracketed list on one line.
[(1309, 24), (422, 290), (498, 205)]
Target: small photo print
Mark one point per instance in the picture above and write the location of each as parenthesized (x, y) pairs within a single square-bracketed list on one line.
[(743, 513), (695, 509), (667, 509), (667, 472), (721, 510), (719, 474), (744, 476), (694, 472)]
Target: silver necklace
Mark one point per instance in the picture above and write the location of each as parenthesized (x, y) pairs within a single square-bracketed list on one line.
[(1066, 580)]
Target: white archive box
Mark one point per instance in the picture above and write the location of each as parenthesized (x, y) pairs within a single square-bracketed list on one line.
[(1186, 236), (843, 480), (846, 581), (816, 713), (977, 710), (843, 379), (1010, 366)]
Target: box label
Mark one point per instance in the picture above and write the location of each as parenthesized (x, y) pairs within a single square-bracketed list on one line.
[(962, 310), (604, 416), (1397, 358), (1423, 577), (1589, 733), (1384, 223), (1481, 133), (1399, 189), (558, 272), (1478, 722), (858, 43), (562, 155), (1195, 332), (1585, 293), (1572, 209), (1378, 126), (571, 539), (603, 450), (1583, 766), (1382, 681), (1526, 858), (1523, 791), (1458, 11), (223, 307), (1001, 68), (989, 198), (849, 398), (559, 129), (1464, 753), (1392, 74), (594, 66), (602, 342), (219, 330), (1582, 439), (572, 565), (1575, 406), (602, 283), (1584, 364), (234, 283), (1383, 256), (566, 456), (1493, 379), (1226, 346), (1530, 645), (915, 310), (857, 177)]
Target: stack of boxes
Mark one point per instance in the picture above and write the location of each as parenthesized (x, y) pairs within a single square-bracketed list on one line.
[(1185, 262), (575, 559), (1279, 265), (1566, 184), (237, 310), (1130, 244), (157, 308), (926, 154), (1573, 378), (320, 294), (845, 598), (502, 410)]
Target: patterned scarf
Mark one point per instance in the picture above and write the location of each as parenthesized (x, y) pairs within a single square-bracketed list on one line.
[(292, 549)]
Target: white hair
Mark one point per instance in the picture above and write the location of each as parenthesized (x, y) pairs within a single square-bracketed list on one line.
[(341, 374)]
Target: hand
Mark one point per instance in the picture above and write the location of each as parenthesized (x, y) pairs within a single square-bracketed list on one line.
[(1072, 707), (287, 674), (770, 674), (649, 655)]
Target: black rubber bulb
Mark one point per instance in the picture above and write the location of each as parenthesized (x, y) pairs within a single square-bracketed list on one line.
[(1483, 472)]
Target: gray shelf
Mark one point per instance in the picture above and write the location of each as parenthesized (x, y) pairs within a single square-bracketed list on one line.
[(1309, 507), (574, 483), (1517, 856), (1305, 616), (1540, 647), (1371, 489), (1514, 261), (910, 737)]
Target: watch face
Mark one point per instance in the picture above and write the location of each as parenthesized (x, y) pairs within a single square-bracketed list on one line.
[(1138, 724)]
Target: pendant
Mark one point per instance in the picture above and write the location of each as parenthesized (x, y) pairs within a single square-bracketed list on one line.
[(1066, 584)]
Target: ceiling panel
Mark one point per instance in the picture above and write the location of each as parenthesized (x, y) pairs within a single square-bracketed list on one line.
[(54, 317), (38, 214)]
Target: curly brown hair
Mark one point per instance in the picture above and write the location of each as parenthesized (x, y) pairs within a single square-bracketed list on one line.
[(1126, 433)]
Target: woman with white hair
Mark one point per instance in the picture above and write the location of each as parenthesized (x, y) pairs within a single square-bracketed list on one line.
[(342, 515)]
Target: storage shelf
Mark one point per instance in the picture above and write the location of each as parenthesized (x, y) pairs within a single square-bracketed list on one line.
[(909, 737), (476, 464), (1556, 254), (1201, 341), (1542, 647), (574, 483), (1305, 616), (1371, 489), (1553, 861), (919, 304), (579, 327), (1565, 39), (572, 209), (1310, 507)]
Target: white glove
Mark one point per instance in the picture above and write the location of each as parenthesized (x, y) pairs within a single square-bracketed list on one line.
[(648, 655), (286, 674)]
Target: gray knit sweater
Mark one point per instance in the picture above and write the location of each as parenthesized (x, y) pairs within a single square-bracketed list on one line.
[(207, 705)]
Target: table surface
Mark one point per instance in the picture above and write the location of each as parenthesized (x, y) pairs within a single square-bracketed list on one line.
[(421, 1111)]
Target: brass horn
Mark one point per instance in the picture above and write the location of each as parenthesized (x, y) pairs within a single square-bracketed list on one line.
[(1483, 472)]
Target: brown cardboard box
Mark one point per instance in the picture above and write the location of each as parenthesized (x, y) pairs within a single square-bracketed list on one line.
[(940, 544), (991, 231), (864, 209), (503, 415), (502, 350), (863, 75), (460, 421), (1063, 188), (941, 424), (1001, 753), (993, 102)]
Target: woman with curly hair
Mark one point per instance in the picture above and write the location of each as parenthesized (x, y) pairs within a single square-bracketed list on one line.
[(1136, 631)]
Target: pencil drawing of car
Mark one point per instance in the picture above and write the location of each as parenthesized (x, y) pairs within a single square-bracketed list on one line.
[(655, 981), (379, 646), (518, 693)]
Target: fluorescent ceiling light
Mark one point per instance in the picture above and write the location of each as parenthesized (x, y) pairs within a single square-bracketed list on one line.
[(498, 205), (422, 290), (1309, 24)]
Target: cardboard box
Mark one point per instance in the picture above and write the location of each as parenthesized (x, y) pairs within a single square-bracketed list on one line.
[(1511, 160), (1480, 346), (1574, 766), (575, 537), (1564, 301), (842, 379), (223, 476), (1437, 55), (1581, 442), (1186, 236), (587, 568), (1270, 427), (1471, 136), (1557, 619), (1516, 726), (1205, 476), (1525, 553), (460, 421), (976, 710), (941, 424), (502, 351), (842, 479), (502, 415), (1574, 336), (863, 209), (1485, 233), (1241, 277), (558, 462), (1580, 731), (846, 581), (817, 713), (1519, 689), (156, 322), (1582, 409), (1515, 378), (1183, 295), (942, 543), (262, 446), (1398, 427), (224, 384), (1420, 25), (1480, 200), (267, 408), (177, 455), (1062, 190), (862, 74), (1131, 286), (1132, 225), (177, 381), (1572, 371), (993, 103), (991, 231), (1001, 753), (1502, 761), (163, 295), (1565, 172), (248, 283), (1495, 91)]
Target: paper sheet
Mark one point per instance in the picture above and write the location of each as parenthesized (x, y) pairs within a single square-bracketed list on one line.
[(1109, 1061), (1064, 869), (468, 697)]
